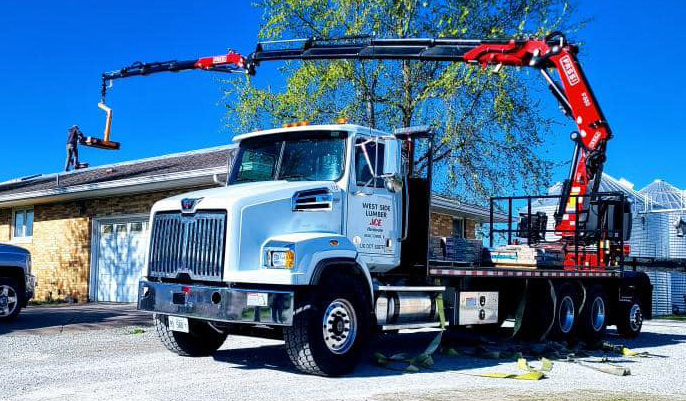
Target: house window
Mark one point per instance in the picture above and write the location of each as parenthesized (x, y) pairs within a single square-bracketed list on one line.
[(458, 227), (23, 223)]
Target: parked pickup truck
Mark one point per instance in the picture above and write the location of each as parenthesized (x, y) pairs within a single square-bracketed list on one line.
[(16, 281)]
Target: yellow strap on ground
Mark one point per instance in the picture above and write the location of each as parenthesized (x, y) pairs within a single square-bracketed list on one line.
[(525, 376), (425, 359), (629, 352), (546, 365), (621, 349)]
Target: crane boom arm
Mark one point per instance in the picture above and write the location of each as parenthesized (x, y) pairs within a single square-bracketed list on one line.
[(229, 62), (575, 95)]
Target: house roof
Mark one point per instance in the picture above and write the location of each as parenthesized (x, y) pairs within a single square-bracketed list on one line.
[(170, 171), (443, 204), (177, 170)]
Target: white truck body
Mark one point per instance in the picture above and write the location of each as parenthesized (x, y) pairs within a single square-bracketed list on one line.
[(324, 230)]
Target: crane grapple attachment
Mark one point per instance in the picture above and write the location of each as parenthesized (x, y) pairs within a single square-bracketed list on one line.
[(100, 143), (104, 143)]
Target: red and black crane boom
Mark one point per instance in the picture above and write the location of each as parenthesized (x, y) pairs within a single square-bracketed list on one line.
[(573, 91)]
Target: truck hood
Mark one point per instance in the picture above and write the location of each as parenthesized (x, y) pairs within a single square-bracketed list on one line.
[(256, 213), (242, 194), (7, 248)]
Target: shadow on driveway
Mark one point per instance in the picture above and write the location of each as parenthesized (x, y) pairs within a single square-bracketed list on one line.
[(82, 317), (274, 357)]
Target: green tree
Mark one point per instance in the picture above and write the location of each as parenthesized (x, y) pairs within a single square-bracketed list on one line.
[(490, 126)]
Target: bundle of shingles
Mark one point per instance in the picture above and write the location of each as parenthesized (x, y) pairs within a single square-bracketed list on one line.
[(455, 249), (525, 256)]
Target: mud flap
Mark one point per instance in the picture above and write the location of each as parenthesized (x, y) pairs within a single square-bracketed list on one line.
[(536, 311)]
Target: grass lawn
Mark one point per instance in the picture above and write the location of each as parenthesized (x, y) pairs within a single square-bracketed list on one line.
[(681, 318)]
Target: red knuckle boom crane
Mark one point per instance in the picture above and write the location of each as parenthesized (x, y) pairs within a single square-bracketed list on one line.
[(574, 95)]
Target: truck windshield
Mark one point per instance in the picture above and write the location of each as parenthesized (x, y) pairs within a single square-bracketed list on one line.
[(298, 156)]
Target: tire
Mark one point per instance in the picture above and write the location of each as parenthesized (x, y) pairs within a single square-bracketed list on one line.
[(630, 319), (566, 313), (339, 307), (202, 339), (593, 323), (11, 299)]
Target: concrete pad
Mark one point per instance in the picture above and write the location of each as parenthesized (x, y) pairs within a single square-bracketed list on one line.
[(79, 317)]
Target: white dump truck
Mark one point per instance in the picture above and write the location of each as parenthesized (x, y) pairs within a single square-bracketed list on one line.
[(323, 231)]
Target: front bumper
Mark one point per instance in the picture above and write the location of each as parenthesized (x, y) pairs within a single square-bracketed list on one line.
[(217, 303), (30, 287)]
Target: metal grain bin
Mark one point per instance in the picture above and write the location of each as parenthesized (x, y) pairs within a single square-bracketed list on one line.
[(662, 292), (679, 291)]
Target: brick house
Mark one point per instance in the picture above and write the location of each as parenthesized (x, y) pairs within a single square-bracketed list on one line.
[(87, 229)]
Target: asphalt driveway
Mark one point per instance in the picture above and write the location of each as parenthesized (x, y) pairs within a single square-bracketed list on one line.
[(73, 318), (110, 352)]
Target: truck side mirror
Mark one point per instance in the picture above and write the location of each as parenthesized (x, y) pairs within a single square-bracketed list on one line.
[(392, 171), (394, 183), (391, 159)]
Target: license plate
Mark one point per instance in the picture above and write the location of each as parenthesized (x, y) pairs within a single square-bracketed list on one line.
[(177, 323)]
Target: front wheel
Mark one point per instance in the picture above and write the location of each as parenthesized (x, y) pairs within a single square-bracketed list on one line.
[(201, 340), (330, 330), (10, 299)]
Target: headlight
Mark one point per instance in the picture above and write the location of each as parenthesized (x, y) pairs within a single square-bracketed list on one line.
[(280, 258), (28, 263)]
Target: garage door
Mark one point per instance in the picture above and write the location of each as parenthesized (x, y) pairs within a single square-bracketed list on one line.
[(120, 258)]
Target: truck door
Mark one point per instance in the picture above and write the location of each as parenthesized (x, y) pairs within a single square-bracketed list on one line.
[(373, 211)]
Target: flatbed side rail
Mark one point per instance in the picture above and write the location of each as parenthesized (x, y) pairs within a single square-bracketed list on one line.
[(523, 273)]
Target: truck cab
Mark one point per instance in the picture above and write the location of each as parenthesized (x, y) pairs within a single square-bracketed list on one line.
[(292, 193), (305, 208)]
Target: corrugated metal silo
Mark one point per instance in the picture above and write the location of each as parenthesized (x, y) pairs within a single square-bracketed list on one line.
[(679, 291), (662, 292)]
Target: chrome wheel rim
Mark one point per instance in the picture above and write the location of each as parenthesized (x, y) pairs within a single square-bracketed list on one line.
[(339, 326), (566, 315), (635, 317), (8, 300), (598, 314)]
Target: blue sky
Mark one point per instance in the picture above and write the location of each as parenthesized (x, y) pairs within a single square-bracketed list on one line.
[(52, 54)]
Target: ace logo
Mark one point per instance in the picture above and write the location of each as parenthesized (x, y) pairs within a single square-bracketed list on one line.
[(375, 222)]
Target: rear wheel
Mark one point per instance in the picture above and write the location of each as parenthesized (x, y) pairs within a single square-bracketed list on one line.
[(201, 340), (594, 316), (330, 330), (10, 299), (630, 319), (566, 313)]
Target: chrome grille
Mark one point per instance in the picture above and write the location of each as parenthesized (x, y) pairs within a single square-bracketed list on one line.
[(188, 243)]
